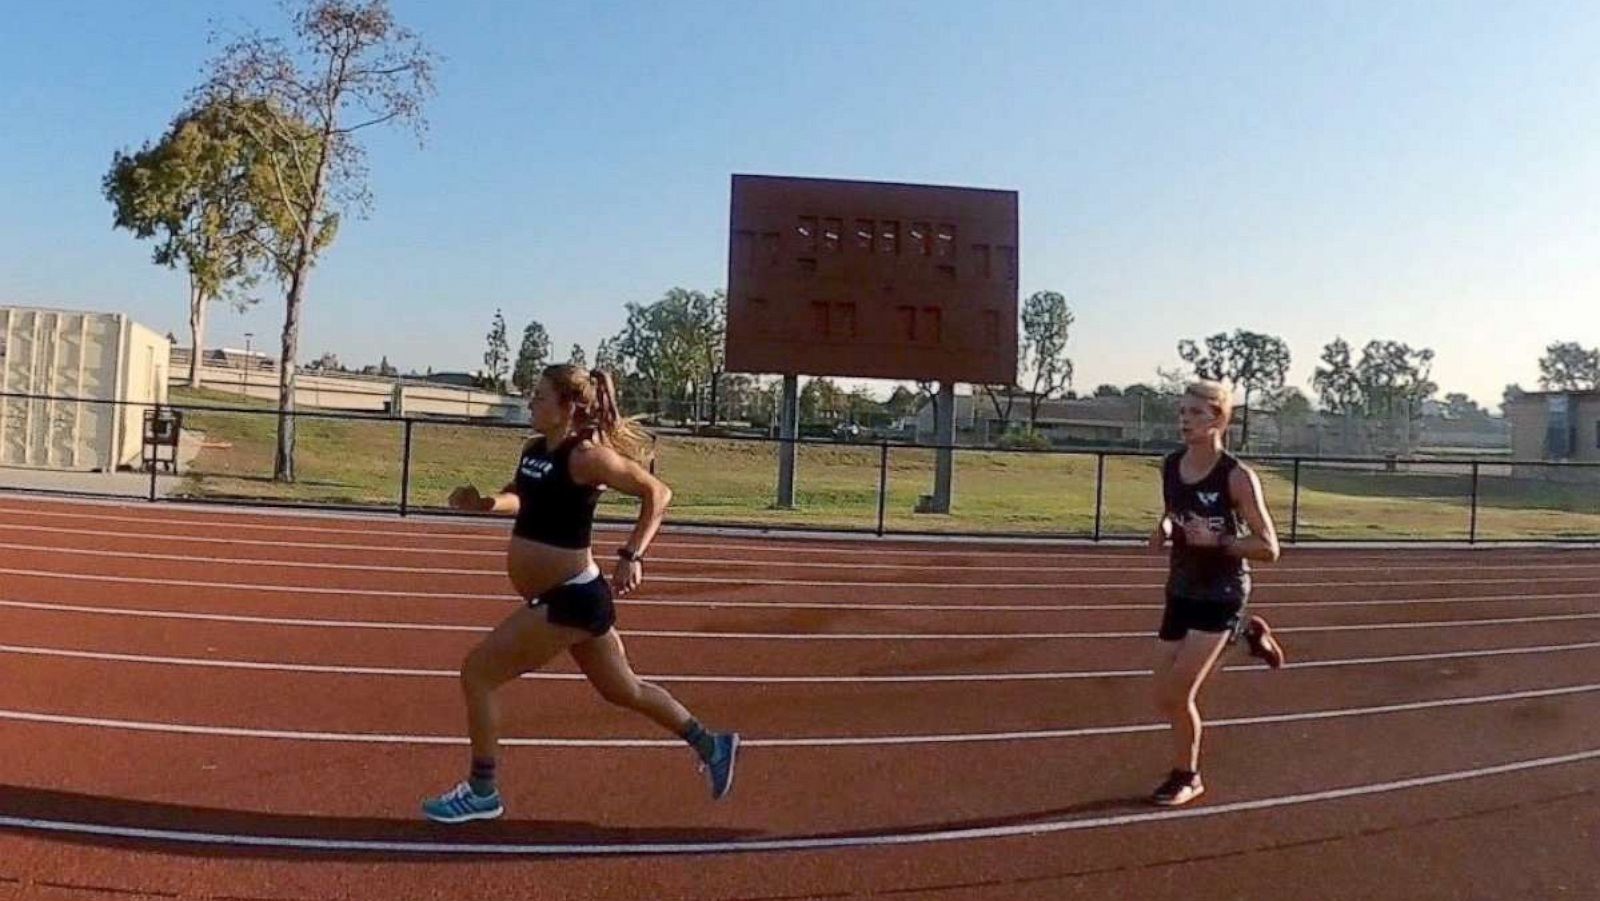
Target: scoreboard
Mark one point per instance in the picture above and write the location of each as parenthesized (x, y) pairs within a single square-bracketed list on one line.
[(872, 280)]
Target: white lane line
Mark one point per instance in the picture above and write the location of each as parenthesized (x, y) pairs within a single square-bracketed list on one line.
[(328, 669), (809, 605), (259, 542), (846, 563), (842, 741), (797, 843), (497, 531), (482, 530), (241, 619), (759, 636), (246, 561), (788, 844), (720, 580), (264, 587)]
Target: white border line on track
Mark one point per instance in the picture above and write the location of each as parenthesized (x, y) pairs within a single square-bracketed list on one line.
[(809, 605), (789, 564), (840, 741), (758, 636), (719, 580), (798, 843), (328, 669)]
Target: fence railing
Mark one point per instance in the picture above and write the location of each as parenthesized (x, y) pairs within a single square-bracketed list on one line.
[(408, 464)]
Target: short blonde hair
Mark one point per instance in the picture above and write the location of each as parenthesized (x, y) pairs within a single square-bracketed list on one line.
[(1216, 394)]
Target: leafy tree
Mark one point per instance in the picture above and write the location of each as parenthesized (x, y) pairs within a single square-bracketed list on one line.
[(822, 398), (674, 345), (532, 356), (1569, 366), (1291, 407), (1460, 406), (902, 402), (1394, 378), (1336, 381), (1251, 361), (497, 356), (191, 191), (1046, 325), (608, 357), (1391, 378)]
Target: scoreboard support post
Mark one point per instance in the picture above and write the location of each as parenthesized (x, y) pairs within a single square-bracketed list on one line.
[(788, 440), (944, 457)]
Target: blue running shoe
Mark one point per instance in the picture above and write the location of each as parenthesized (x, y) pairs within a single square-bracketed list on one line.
[(460, 804), (720, 767)]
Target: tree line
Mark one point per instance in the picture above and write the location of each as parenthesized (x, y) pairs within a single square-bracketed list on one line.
[(669, 354)]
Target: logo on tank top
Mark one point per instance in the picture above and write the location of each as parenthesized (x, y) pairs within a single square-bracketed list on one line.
[(535, 468), (1209, 498)]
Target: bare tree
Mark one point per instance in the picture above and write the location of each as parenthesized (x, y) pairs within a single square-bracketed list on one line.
[(347, 67)]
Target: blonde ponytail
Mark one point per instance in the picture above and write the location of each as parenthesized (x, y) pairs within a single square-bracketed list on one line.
[(623, 434), (595, 412)]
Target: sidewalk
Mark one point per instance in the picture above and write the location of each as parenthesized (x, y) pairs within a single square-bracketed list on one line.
[(125, 483)]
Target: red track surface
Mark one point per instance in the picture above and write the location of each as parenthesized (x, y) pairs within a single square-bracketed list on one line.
[(120, 623)]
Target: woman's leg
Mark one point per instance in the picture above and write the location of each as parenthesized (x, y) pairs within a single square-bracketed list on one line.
[(605, 662), (524, 641)]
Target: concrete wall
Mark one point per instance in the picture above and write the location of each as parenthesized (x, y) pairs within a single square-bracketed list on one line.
[(146, 372), (367, 395), (1527, 418)]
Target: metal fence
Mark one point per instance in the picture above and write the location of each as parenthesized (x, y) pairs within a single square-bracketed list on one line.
[(406, 465)]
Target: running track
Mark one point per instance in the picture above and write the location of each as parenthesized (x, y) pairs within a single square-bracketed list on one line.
[(236, 705)]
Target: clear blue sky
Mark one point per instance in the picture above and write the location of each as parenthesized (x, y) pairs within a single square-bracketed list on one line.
[(1428, 172)]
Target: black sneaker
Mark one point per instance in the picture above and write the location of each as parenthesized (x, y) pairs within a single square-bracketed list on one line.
[(1180, 788)]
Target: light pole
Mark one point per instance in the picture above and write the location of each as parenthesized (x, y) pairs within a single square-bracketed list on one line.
[(244, 370)]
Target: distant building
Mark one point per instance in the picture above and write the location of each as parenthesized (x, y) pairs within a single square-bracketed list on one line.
[(458, 379), (99, 371), (1556, 425), (1092, 420), (224, 357)]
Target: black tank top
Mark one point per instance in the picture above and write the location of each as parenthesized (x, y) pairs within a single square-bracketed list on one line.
[(553, 509), (1204, 573)]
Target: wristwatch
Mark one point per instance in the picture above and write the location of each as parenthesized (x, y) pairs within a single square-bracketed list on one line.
[(630, 556)]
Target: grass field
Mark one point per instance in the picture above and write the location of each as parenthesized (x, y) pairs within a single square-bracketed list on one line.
[(720, 480)]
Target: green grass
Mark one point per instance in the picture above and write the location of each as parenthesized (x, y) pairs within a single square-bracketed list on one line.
[(720, 480)]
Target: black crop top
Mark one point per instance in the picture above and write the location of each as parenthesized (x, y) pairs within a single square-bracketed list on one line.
[(553, 509)]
